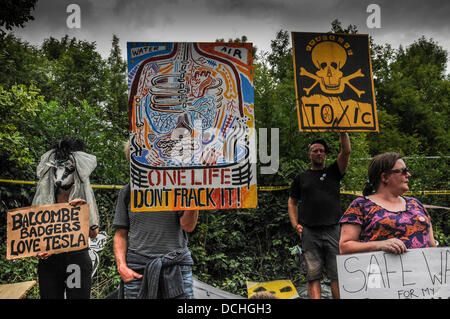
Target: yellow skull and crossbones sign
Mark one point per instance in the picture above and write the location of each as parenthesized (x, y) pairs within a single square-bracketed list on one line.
[(329, 58)]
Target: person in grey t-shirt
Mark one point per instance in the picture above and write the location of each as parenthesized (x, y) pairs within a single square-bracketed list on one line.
[(151, 250)]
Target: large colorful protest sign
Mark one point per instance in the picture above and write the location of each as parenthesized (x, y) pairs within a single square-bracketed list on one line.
[(191, 108), (417, 274), (53, 228), (334, 83)]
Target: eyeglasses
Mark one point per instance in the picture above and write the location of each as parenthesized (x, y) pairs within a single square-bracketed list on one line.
[(403, 170)]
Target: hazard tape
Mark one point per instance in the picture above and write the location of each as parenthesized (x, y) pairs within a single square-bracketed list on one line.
[(16, 182), (443, 192), (437, 192), (107, 186), (273, 188), (261, 188), (34, 183)]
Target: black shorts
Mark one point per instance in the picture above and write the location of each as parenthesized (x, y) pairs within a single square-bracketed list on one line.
[(320, 248)]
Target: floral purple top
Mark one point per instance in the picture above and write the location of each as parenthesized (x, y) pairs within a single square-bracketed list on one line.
[(412, 226)]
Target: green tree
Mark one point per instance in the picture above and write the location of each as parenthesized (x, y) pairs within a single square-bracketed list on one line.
[(77, 72), (336, 27), (116, 107), (413, 99), (280, 57), (18, 106), (21, 63), (14, 13)]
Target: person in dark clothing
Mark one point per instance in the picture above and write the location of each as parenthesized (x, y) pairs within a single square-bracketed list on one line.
[(151, 251), (63, 174), (314, 212)]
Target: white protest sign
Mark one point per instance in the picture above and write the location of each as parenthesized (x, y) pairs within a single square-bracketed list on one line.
[(417, 274)]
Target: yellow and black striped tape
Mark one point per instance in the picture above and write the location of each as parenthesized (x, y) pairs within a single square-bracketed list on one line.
[(260, 188), (34, 183)]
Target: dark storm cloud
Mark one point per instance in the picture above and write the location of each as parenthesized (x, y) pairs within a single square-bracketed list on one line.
[(395, 14), (246, 8), (96, 14), (416, 14), (402, 21), (403, 14), (52, 15)]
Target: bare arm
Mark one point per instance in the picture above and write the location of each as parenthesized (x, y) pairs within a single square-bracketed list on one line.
[(344, 156), (432, 241), (431, 234), (350, 244), (120, 250), (293, 215), (189, 220)]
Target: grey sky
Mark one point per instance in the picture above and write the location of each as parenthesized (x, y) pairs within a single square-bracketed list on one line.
[(402, 21)]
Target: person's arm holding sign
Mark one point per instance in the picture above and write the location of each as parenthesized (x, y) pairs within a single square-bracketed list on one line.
[(350, 243), (383, 219), (344, 156), (189, 220)]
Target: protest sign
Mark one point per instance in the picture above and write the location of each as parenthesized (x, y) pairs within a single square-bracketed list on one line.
[(192, 137), (54, 228), (281, 289), (417, 274), (333, 82)]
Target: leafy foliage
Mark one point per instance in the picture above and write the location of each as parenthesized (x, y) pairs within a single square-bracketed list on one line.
[(17, 106), (14, 13)]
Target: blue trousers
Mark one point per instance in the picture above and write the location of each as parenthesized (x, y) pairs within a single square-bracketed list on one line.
[(132, 288)]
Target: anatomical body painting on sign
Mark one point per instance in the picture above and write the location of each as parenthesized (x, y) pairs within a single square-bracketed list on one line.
[(192, 139), (334, 83)]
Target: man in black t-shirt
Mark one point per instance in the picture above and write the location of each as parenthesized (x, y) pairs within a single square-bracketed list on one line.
[(314, 211)]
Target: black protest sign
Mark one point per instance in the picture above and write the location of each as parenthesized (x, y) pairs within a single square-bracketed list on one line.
[(334, 83), (54, 228)]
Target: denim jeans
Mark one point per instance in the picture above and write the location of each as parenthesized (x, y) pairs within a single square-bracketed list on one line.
[(132, 288)]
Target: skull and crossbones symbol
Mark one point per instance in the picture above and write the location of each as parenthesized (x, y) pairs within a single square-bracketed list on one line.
[(329, 58)]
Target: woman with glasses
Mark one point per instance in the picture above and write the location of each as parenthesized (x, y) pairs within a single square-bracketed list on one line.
[(383, 219)]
